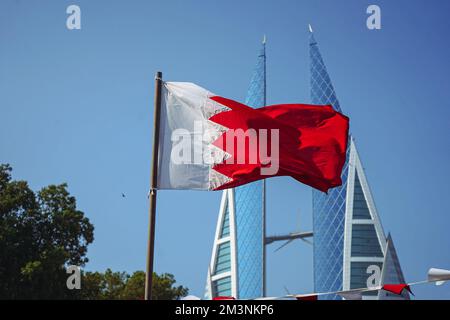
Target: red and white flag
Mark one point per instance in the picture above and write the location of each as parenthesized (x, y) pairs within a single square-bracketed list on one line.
[(208, 142)]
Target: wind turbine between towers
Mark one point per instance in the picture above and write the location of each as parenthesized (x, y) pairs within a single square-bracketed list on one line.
[(289, 238)]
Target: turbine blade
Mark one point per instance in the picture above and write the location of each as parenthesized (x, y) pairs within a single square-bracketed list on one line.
[(283, 245)]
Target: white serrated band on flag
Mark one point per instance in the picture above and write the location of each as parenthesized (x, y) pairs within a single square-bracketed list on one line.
[(216, 179), (185, 112), (212, 108), (212, 131), (214, 155)]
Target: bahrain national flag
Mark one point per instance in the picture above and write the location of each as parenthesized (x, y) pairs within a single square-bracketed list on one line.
[(208, 142)]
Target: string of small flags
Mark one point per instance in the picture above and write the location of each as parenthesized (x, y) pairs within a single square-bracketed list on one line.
[(437, 276)]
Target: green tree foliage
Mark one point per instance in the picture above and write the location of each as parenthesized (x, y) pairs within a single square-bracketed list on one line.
[(163, 288), (135, 286), (119, 285), (40, 234)]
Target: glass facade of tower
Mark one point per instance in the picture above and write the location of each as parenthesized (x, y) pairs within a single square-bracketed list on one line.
[(248, 209), (222, 287), (392, 272), (328, 210), (250, 246), (328, 226), (222, 263), (348, 237), (249, 206)]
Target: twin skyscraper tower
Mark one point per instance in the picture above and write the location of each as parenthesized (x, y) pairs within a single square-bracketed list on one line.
[(351, 249)]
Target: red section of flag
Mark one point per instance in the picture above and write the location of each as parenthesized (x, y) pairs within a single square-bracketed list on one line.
[(312, 142), (307, 298), (397, 288)]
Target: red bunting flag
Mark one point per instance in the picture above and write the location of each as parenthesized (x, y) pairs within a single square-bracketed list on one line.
[(224, 298), (397, 288), (307, 297)]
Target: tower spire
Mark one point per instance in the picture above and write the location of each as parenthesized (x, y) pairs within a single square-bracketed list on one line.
[(322, 90), (237, 265), (349, 211)]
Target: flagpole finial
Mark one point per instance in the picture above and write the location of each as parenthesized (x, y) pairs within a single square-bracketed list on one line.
[(264, 39), (310, 28)]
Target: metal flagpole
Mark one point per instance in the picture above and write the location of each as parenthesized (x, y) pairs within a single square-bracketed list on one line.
[(153, 183), (264, 291)]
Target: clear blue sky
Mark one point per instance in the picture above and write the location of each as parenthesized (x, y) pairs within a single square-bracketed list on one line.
[(76, 107)]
